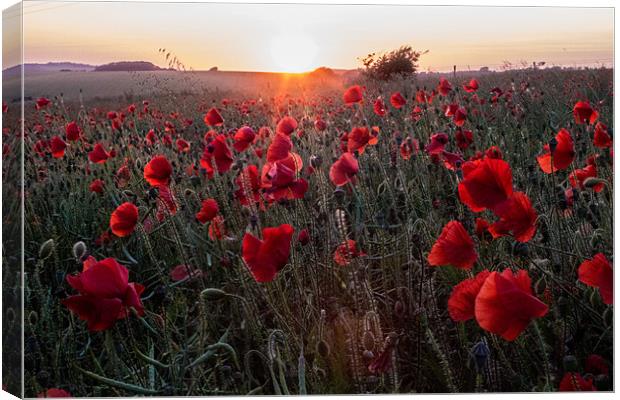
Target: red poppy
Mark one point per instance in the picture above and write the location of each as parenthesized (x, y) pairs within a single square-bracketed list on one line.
[(486, 184), (166, 203), (182, 145), (219, 152), (98, 155), (444, 87), (464, 138), (596, 365), (597, 272), (353, 95), (57, 147), (584, 113), (408, 147), (303, 237), (105, 293), (505, 304), (416, 113), (573, 382), (320, 125), (453, 247), (158, 171), (379, 107), (208, 211), (244, 137), (482, 228), (42, 102), (462, 301), (563, 155), (54, 392), (151, 138), (579, 176), (286, 125), (182, 272), (494, 152), (422, 97), (397, 100), (346, 252), (217, 228), (471, 87), (266, 257), (517, 216), (344, 170), (359, 138), (123, 220), (437, 144), (601, 136), (279, 148), (280, 182), (460, 116), (96, 186), (249, 185), (213, 118), (73, 131)]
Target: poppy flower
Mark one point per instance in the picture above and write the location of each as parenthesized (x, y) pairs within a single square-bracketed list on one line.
[(563, 154), (437, 144), (124, 219), (596, 365), (158, 171), (279, 148), (579, 176), (57, 147), (182, 272), (249, 185), (73, 131), (344, 170), (422, 97), (244, 137), (213, 118), (346, 252), (471, 87), (505, 304), (584, 113), (601, 136), (416, 113), (359, 138), (166, 203), (597, 272), (54, 393), (450, 109), (464, 138), (286, 125), (573, 382), (408, 147), (151, 138), (303, 237), (453, 247), (444, 87), (280, 182), (320, 125), (105, 293), (112, 115), (217, 228), (353, 95), (482, 228), (517, 216), (122, 176), (96, 186), (460, 116), (98, 155), (42, 102), (265, 258), (494, 152), (208, 211), (397, 100), (379, 107), (462, 301), (182, 145), (219, 152), (486, 184)]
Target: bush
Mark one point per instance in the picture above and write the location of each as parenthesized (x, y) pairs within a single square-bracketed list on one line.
[(402, 61)]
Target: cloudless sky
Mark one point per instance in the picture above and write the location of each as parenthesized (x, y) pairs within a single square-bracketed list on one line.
[(276, 37)]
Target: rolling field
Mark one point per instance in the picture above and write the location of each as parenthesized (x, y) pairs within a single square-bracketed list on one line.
[(231, 233)]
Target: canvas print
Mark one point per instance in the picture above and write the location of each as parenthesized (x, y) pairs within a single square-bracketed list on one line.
[(205, 199)]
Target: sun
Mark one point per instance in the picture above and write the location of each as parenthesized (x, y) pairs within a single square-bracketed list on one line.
[(293, 52)]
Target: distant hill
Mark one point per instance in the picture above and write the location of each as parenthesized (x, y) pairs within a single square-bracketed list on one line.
[(30, 68), (128, 66)]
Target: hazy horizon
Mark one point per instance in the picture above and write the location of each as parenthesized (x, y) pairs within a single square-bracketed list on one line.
[(302, 37)]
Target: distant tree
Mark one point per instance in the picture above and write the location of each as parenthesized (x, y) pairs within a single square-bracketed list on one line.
[(403, 61), (323, 72), (213, 69)]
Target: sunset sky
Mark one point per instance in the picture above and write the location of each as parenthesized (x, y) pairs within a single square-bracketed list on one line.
[(277, 37)]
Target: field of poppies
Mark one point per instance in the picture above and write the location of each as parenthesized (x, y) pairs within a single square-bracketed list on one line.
[(416, 235)]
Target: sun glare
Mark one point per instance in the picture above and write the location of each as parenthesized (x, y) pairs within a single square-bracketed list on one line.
[(293, 53)]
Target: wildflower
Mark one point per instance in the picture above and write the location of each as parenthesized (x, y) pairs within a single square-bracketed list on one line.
[(597, 272), (453, 247), (123, 220), (265, 258), (559, 158)]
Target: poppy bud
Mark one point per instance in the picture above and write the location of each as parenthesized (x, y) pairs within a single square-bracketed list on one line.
[(592, 182), (369, 340), (303, 237), (46, 249), (213, 294), (315, 161), (153, 193), (79, 250), (33, 318), (323, 349), (480, 354), (368, 355), (195, 180), (570, 363), (520, 249)]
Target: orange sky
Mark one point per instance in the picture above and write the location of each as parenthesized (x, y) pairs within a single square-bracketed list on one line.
[(277, 37)]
